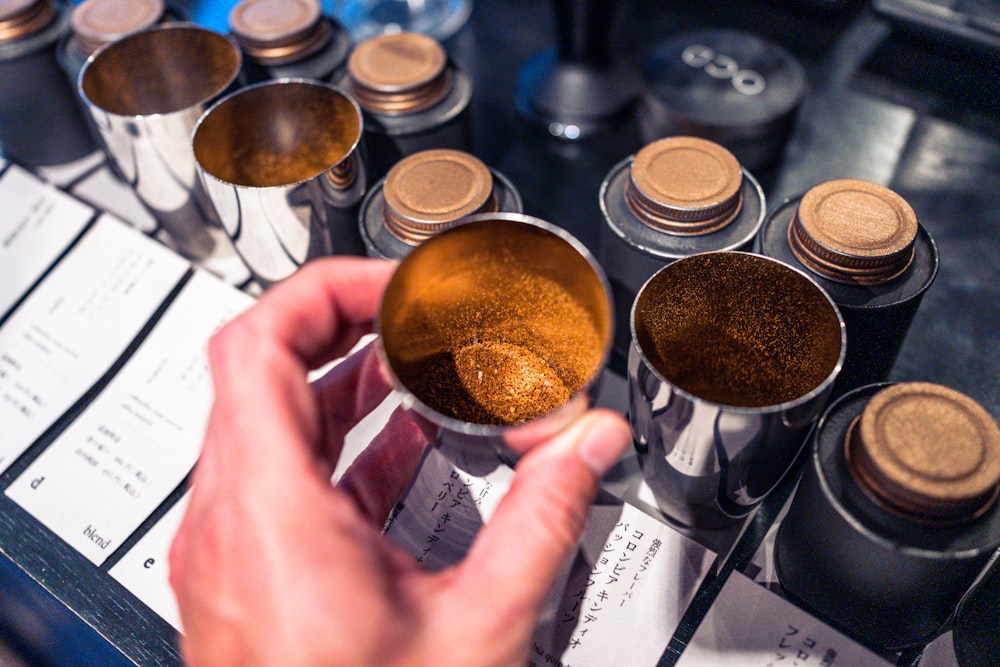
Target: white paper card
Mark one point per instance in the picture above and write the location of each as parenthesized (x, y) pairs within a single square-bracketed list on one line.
[(144, 570), (137, 441), (630, 572), (37, 224), (75, 324), (750, 626)]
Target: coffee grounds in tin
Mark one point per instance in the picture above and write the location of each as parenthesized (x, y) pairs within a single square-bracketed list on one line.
[(518, 350)]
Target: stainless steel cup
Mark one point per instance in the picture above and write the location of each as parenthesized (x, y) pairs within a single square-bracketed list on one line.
[(281, 162), (733, 357), (146, 91), (494, 330)]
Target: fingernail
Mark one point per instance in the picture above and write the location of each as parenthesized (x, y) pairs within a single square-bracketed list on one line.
[(605, 438)]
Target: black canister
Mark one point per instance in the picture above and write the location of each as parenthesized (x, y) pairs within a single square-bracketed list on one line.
[(413, 97), (41, 121), (732, 87), (975, 636), (895, 515), (674, 198), (865, 246), (289, 39), (426, 193)]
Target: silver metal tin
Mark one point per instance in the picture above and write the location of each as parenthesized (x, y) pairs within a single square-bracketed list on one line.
[(278, 226), (708, 463), (146, 119), (531, 245)]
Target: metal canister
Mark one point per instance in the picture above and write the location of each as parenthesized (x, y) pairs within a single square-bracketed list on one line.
[(675, 197), (865, 246), (41, 121), (414, 97), (289, 39), (282, 162), (426, 193), (732, 359), (895, 515)]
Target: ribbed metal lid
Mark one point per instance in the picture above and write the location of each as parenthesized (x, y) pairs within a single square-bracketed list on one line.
[(97, 22), (685, 185), (21, 18), (926, 452), (278, 31), (854, 231), (425, 193), (399, 73)]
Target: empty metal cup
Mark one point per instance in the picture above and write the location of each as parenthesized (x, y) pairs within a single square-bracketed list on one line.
[(733, 357), (281, 162), (146, 91), (501, 323)]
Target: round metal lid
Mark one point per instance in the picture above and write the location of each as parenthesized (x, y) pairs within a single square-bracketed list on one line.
[(854, 231), (685, 185), (278, 31), (399, 73), (97, 22), (927, 452), (21, 18), (427, 191)]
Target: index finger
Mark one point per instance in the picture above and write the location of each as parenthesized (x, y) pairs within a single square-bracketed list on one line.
[(259, 364), (322, 310)]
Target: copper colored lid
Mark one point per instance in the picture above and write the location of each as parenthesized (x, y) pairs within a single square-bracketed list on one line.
[(22, 18), (399, 73), (428, 191), (97, 22), (927, 452), (854, 231), (278, 31), (685, 185)]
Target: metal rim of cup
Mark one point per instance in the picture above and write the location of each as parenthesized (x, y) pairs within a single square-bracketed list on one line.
[(150, 33), (412, 402), (736, 409), (249, 90)]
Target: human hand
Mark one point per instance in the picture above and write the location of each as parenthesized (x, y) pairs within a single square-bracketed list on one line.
[(274, 565)]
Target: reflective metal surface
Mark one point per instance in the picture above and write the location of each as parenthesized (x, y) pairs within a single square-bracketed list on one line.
[(280, 160), (733, 357), (146, 93), (499, 324)]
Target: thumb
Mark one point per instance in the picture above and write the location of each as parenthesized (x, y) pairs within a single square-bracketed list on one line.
[(520, 552)]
